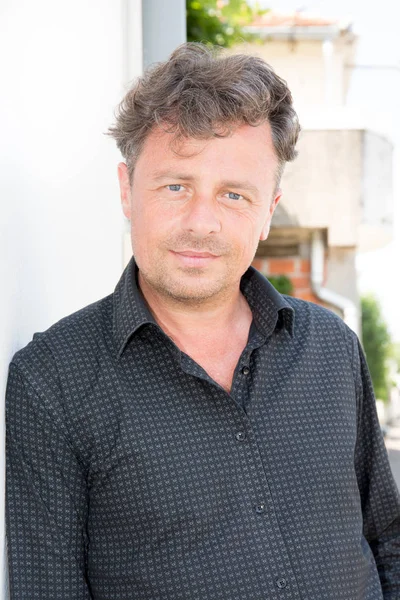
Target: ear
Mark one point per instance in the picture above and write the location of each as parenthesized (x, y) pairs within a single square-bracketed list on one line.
[(267, 224), (125, 189)]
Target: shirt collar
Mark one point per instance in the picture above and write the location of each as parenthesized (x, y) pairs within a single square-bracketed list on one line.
[(130, 311), (270, 308)]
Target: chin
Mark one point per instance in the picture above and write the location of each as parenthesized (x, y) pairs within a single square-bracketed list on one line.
[(191, 290)]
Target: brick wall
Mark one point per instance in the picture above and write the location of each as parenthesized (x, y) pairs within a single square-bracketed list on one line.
[(296, 268)]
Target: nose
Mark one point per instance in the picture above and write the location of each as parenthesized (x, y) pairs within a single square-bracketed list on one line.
[(201, 216)]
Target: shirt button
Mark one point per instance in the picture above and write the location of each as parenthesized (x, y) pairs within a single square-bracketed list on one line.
[(260, 508), (281, 583), (241, 436), (245, 370)]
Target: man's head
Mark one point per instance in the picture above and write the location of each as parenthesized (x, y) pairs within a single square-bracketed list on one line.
[(205, 138), (200, 93)]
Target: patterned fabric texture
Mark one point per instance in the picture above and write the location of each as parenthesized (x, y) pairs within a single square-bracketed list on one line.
[(132, 475)]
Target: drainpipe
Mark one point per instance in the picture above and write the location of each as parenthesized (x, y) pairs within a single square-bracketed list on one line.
[(348, 308)]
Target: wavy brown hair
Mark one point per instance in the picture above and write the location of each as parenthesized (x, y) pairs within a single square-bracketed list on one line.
[(202, 94)]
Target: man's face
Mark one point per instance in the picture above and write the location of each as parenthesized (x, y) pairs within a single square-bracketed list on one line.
[(197, 217)]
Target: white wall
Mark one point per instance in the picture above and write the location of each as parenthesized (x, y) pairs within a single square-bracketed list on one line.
[(321, 79), (327, 176), (65, 67)]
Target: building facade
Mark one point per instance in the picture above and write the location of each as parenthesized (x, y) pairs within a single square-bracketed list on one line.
[(337, 195)]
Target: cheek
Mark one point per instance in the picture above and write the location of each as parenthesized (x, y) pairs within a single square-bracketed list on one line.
[(151, 223), (245, 227)]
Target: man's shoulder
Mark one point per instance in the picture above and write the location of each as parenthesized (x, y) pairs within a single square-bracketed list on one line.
[(305, 308), (316, 320), (75, 340)]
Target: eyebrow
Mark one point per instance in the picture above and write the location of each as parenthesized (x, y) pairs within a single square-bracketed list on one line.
[(244, 185)]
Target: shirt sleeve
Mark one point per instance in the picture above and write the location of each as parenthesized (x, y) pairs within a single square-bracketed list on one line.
[(379, 494), (46, 501)]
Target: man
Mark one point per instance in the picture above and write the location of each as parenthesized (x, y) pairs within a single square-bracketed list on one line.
[(196, 434)]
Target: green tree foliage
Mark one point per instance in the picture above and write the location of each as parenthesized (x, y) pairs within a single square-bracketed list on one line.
[(377, 344), (220, 23), (396, 356), (281, 283)]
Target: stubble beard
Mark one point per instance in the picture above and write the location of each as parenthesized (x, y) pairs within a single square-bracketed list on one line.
[(192, 286), (189, 289)]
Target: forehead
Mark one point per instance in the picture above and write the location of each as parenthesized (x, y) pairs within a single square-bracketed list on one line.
[(246, 148)]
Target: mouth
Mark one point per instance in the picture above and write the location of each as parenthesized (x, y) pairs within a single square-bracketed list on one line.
[(195, 254), (192, 258)]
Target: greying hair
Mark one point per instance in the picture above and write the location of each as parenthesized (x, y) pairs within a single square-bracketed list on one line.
[(197, 93)]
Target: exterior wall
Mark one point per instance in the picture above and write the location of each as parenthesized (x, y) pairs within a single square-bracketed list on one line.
[(342, 180), (376, 227), (341, 272), (61, 223), (294, 267), (322, 187), (341, 277), (323, 77), (307, 83)]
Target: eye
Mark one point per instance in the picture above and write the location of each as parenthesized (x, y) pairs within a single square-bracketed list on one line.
[(174, 187), (235, 196)]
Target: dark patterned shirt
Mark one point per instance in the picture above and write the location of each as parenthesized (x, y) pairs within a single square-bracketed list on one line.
[(132, 475)]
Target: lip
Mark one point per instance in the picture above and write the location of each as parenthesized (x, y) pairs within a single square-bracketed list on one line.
[(192, 258), (195, 254)]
